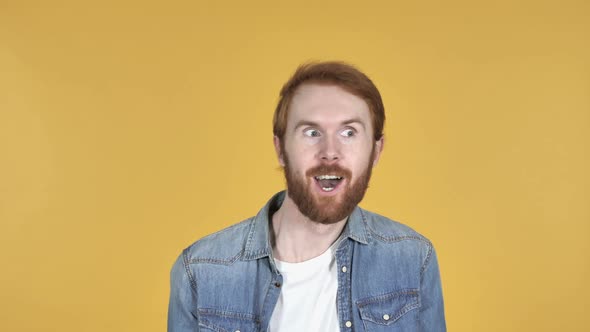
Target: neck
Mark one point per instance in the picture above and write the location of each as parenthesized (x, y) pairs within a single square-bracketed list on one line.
[(297, 238)]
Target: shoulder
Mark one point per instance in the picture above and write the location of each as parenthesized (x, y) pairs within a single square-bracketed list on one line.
[(394, 239), (387, 230), (222, 247)]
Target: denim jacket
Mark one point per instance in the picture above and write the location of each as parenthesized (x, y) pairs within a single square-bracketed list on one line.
[(388, 278)]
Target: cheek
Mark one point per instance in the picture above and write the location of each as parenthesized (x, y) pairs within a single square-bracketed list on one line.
[(301, 166), (300, 154), (363, 158), (296, 163)]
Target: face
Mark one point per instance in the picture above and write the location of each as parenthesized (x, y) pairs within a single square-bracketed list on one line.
[(327, 152)]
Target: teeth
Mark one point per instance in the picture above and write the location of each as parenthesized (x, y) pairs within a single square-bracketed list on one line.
[(328, 177), (327, 189)]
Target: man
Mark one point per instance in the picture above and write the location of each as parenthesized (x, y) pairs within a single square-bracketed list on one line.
[(311, 260)]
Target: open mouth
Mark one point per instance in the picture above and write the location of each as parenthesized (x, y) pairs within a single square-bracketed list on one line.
[(328, 182)]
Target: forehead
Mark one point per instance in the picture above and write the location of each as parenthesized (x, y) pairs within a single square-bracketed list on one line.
[(326, 104)]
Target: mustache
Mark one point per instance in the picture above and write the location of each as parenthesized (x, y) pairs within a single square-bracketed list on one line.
[(329, 169)]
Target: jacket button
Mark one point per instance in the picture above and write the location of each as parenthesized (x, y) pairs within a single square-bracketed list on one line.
[(386, 317), (277, 285), (344, 269), (348, 323)]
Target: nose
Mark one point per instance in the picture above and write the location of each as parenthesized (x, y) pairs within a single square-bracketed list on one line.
[(329, 150)]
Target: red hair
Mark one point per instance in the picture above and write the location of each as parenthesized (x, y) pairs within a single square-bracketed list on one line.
[(337, 73)]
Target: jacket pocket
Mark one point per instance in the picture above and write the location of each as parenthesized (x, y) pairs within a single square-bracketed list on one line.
[(384, 310), (227, 321)]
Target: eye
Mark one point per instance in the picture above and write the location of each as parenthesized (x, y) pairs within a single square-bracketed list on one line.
[(347, 133), (311, 133)]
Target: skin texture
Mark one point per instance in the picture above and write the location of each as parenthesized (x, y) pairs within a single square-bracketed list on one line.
[(328, 132)]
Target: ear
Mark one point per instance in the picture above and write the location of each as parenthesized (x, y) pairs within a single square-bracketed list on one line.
[(277, 143), (378, 149)]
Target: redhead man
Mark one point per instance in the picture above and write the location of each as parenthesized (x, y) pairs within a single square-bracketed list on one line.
[(311, 259)]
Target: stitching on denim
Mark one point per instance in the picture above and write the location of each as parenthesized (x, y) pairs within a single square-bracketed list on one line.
[(257, 254), (366, 236), (197, 260), (220, 261), (342, 296), (266, 293), (248, 251), (191, 278), (250, 235), (381, 298), (207, 323), (398, 238), (426, 261), (229, 314), (405, 309), (395, 238), (399, 314), (342, 246)]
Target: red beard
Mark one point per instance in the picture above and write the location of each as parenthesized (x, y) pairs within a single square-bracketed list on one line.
[(326, 209)]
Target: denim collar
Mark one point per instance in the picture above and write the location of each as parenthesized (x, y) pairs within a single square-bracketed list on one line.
[(258, 241)]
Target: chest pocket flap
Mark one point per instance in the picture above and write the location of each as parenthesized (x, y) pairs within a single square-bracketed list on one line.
[(388, 308), (227, 321)]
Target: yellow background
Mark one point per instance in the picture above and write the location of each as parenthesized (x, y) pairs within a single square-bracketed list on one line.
[(130, 129)]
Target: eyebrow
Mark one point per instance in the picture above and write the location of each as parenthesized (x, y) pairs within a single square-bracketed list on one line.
[(315, 124)]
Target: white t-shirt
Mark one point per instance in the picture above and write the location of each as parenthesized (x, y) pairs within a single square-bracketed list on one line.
[(308, 296)]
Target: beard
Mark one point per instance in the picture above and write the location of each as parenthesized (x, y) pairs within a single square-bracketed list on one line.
[(326, 209)]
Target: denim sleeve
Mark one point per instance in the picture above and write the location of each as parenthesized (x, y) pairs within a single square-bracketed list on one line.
[(432, 313), (183, 298)]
